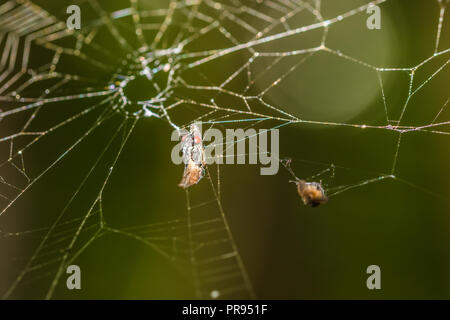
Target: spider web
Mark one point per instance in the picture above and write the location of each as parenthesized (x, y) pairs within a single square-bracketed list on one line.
[(225, 64)]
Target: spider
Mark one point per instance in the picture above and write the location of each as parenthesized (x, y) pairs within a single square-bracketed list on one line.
[(193, 157), (311, 193)]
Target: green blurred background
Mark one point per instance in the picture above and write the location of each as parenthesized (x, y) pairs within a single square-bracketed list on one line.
[(290, 251)]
